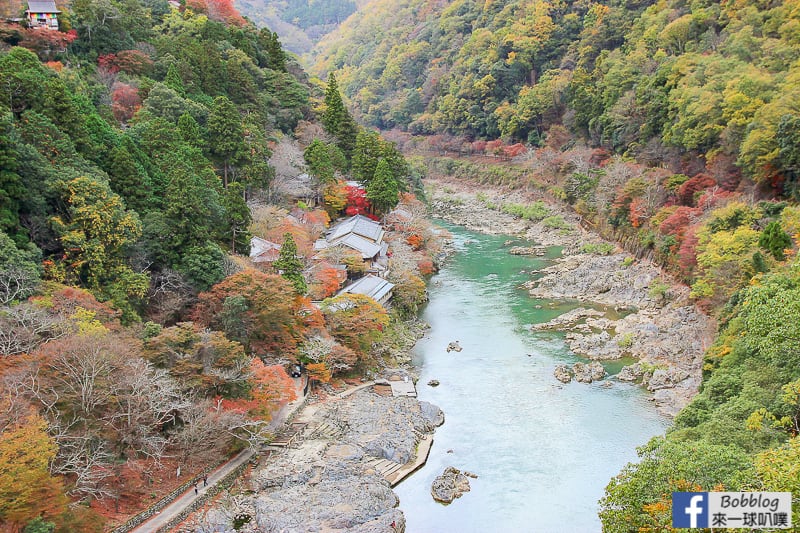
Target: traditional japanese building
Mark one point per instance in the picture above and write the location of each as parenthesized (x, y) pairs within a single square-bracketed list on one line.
[(42, 14)]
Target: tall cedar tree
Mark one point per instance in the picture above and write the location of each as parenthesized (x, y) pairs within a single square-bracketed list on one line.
[(289, 265), (225, 134), (336, 120), (174, 81), (383, 191), (238, 218)]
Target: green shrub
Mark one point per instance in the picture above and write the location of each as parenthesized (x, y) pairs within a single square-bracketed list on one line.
[(535, 211), (604, 248), (556, 222), (658, 289), (625, 341)]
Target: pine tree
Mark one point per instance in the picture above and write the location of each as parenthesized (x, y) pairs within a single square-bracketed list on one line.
[(12, 190), (277, 59), (289, 266), (383, 191), (238, 218), (334, 107), (129, 180), (318, 159)]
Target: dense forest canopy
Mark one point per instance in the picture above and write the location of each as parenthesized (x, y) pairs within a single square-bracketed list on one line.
[(636, 77)]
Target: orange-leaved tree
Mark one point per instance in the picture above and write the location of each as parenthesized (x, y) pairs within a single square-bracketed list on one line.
[(270, 387), (355, 320), (256, 309)]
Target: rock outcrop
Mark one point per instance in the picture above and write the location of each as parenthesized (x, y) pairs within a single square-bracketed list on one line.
[(538, 251), (659, 327), (328, 482), (451, 484), (562, 373), (587, 373)]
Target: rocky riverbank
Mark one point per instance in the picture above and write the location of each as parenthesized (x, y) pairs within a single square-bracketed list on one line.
[(632, 309), (333, 477)]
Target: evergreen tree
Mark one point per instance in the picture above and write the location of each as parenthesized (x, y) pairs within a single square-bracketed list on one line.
[(190, 130), (12, 190), (775, 240), (366, 155), (272, 55), (383, 191), (225, 134), (336, 120), (238, 218), (334, 107), (289, 265), (318, 159), (174, 81), (277, 59), (129, 180)]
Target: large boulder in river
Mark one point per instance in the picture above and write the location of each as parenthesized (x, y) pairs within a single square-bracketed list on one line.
[(587, 373), (454, 347), (431, 413), (562, 373), (450, 485), (597, 371)]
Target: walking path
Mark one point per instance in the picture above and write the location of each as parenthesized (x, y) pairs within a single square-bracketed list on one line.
[(163, 518), (393, 472)]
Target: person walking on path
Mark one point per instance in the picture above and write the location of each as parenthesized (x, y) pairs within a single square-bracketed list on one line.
[(205, 480), (195, 488)]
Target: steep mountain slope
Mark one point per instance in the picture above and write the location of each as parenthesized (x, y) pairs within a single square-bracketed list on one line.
[(300, 23), (639, 77)]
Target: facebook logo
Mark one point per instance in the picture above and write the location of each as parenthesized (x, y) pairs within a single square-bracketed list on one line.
[(689, 509)]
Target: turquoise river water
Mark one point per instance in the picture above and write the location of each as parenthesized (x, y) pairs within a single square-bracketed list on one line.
[(543, 451)]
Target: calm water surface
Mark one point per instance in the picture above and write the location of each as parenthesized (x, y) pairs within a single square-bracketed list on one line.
[(543, 452)]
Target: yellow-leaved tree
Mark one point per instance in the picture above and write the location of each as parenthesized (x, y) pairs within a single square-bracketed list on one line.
[(27, 489)]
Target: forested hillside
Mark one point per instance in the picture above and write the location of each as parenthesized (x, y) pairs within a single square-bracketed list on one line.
[(300, 23), (670, 127), (641, 78), (139, 344)]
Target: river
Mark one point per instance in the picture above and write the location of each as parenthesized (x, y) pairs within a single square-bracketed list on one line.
[(543, 451)]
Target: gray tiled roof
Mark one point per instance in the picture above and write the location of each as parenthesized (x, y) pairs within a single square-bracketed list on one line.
[(372, 286), (360, 225), (42, 6), (366, 248)]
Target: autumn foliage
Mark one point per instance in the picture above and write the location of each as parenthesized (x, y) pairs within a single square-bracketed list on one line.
[(127, 61), (270, 387), (219, 10), (357, 203), (356, 321), (125, 101), (27, 489), (252, 308)]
